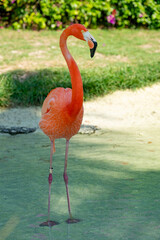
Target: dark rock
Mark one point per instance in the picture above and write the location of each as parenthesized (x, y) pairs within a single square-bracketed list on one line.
[(88, 129), (16, 130)]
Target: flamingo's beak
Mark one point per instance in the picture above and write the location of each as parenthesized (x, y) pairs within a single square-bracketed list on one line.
[(93, 49), (92, 43)]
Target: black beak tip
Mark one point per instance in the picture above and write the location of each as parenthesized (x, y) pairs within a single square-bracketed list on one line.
[(92, 51)]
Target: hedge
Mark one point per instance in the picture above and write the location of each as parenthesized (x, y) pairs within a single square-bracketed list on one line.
[(56, 14)]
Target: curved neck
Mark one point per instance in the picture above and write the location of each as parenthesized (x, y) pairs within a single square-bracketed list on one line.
[(76, 80)]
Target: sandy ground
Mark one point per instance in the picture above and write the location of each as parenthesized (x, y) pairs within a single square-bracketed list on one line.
[(122, 109)]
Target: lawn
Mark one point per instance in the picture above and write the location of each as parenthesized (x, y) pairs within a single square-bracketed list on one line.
[(32, 64)]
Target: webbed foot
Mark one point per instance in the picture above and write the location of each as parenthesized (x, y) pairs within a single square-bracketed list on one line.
[(48, 224), (72, 220)]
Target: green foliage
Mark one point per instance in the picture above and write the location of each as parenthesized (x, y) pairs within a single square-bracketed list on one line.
[(138, 13), (54, 14)]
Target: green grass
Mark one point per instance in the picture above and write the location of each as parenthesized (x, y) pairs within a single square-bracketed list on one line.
[(32, 64)]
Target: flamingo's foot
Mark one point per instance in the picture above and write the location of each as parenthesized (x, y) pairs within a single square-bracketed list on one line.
[(48, 224), (72, 220)]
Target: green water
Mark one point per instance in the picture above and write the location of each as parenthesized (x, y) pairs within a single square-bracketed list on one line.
[(114, 185)]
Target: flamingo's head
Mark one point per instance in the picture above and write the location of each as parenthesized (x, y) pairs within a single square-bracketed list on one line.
[(80, 32)]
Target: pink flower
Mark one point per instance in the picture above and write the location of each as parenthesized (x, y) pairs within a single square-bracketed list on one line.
[(141, 15), (13, 1), (111, 19), (1, 27), (58, 23)]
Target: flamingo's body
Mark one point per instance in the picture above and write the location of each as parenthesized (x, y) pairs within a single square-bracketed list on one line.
[(62, 110), (56, 121)]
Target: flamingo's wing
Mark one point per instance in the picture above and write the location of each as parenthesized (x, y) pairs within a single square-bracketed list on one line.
[(48, 102), (56, 99)]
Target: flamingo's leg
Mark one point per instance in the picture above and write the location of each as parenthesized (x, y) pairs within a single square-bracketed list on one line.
[(71, 219), (49, 222), (50, 179)]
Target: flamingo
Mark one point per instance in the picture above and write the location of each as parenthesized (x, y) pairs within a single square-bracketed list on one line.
[(62, 110)]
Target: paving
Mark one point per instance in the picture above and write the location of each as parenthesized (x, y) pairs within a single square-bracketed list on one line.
[(114, 177)]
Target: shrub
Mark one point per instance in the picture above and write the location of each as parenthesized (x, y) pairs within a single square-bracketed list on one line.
[(138, 13), (54, 14)]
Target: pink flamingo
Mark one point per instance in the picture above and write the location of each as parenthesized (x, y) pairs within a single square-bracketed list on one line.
[(62, 110)]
